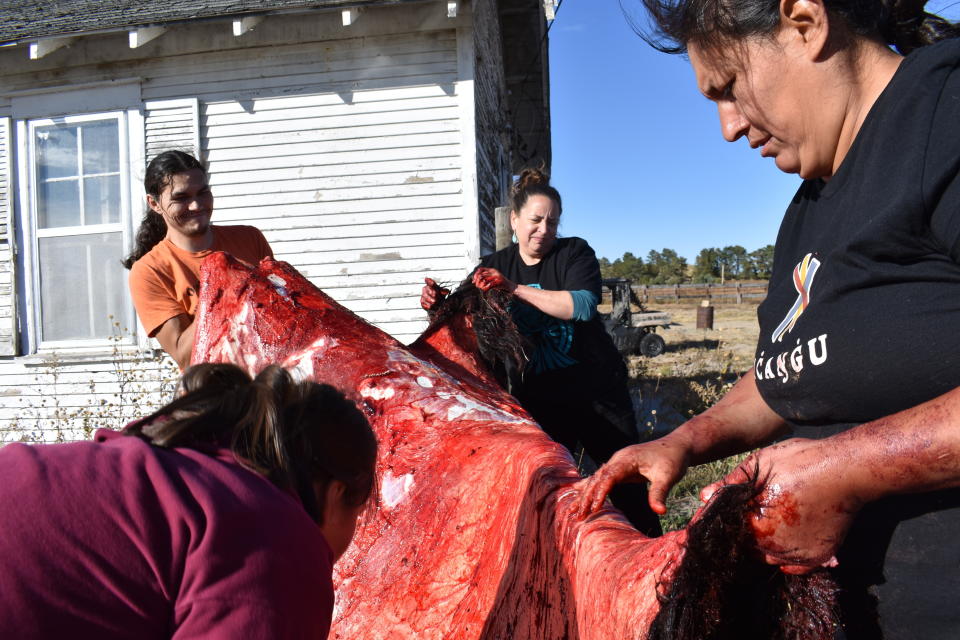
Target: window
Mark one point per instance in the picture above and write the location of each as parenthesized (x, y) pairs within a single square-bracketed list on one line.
[(75, 228)]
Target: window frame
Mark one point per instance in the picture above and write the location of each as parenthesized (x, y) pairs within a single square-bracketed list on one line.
[(27, 217)]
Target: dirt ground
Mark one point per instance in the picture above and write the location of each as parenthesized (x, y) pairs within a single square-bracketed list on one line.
[(697, 366), (731, 341)]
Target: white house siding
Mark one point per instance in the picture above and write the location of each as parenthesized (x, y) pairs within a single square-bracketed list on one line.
[(360, 189), (171, 124), (347, 152)]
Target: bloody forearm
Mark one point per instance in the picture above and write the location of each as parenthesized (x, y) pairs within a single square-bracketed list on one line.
[(740, 421), (915, 450)]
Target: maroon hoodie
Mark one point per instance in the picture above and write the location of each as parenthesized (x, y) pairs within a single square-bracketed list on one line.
[(116, 538)]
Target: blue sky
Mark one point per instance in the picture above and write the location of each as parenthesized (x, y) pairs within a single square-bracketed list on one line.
[(637, 152)]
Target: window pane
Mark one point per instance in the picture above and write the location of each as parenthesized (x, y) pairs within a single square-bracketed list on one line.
[(56, 151), (58, 204), (81, 284), (101, 141), (101, 200)]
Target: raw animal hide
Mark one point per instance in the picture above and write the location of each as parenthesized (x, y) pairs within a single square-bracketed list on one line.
[(472, 535)]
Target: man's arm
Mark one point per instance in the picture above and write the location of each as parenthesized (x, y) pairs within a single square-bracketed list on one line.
[(176, 336)]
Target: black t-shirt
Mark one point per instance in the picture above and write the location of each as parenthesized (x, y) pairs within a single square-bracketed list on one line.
[(863, 314), (571, 265)]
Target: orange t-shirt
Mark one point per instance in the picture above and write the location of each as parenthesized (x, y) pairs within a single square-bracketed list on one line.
[(165, 282)]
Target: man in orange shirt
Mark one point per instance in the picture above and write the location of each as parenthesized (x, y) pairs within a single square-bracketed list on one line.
[(173, 239)]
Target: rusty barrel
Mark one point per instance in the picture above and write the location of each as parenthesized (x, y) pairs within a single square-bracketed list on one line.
[(705, 317)]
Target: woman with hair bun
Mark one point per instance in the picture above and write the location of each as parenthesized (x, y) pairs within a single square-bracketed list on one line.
[(218, 516), (575, 383), (858, 349)]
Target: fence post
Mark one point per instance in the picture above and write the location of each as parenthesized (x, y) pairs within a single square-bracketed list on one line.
[(739, 294), (676, 293), (503, 232)]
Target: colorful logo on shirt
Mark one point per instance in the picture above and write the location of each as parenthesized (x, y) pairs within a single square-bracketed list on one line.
[(803, 275)]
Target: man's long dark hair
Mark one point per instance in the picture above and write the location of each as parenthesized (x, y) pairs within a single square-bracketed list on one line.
[(159, 172)]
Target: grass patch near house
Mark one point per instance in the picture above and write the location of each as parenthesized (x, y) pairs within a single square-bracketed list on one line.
[(134, 383)]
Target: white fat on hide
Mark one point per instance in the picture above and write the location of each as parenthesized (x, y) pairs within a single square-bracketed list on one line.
[(299, 359), (300, 364), (279, 284), (301, 369), (398, 358), (377, 393), (403, 356), (238, 334), (225, 350), (393, 489), (240, 320), (462, 405)]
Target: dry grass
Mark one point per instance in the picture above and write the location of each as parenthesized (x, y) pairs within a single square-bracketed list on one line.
[(699, 366)]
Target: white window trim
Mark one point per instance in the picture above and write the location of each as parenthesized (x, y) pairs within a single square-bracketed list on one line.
[(130, 123)]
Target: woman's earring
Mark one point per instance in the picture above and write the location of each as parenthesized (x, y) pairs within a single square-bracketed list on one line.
[(513, 238)]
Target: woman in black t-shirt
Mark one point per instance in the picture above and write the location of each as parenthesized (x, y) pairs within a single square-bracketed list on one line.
[(858, 343), (575, 382)]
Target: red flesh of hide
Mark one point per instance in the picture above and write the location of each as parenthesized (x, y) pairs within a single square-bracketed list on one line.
[(473, 534)]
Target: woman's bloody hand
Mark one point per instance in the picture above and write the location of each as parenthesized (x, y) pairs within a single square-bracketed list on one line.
[(661, 462), (805, 507), (431, 294), (485, 279)]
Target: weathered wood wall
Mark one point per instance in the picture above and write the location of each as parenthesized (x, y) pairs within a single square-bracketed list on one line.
[(492, 122)]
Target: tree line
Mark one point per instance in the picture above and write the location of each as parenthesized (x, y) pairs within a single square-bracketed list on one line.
[(712, 265)]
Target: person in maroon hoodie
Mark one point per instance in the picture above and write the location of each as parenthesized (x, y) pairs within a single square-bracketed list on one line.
[(218, 516)]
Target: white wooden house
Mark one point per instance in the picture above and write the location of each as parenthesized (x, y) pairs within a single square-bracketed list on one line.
[(370, 141)]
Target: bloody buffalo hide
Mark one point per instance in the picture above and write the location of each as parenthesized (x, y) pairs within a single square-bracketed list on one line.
[(472, 533)]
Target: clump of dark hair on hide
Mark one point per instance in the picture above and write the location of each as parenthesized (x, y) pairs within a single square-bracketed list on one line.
[(723, 589), (501, 345)]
